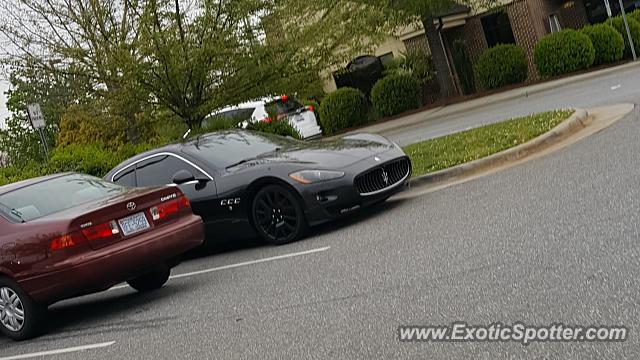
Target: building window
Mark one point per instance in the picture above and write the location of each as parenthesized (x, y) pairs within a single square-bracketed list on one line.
[(386, 58), (597, 12), (497, 29), (554, 23)]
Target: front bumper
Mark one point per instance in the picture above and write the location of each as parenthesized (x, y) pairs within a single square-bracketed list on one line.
[(113, 264), (334, 199)]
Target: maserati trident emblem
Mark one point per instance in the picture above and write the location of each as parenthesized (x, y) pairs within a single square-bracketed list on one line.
[(131, 206), (385, 177)]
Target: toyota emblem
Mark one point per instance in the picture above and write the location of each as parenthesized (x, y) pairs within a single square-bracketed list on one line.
[(131, 206)]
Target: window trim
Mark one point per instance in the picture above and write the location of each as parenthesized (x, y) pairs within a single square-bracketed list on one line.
[(161, 154), (554, 23)]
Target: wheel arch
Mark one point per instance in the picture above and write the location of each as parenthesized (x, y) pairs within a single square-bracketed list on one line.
[(260, 183)]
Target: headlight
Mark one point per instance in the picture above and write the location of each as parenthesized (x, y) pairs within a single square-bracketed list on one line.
[(315, 176)]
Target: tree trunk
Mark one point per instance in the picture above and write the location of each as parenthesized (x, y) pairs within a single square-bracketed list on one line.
[(439, 57)]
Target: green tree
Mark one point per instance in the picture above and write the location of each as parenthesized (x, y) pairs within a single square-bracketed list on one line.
[(427, 12), (54, 92), (188, 57)]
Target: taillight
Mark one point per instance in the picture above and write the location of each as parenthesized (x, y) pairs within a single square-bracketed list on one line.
[(102, 231), (311, 108), (164, 211), (184, 202), (268, 120), (64, 241)]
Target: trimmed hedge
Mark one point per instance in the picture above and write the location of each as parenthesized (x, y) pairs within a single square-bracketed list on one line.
[(395, 94), (634, 26), (92, 159), (501, 65), (607, 42), (278, 127), (563, 52), (635, 15), (343, 109)]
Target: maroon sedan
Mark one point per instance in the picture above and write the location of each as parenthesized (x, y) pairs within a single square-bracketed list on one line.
[(68, 235)]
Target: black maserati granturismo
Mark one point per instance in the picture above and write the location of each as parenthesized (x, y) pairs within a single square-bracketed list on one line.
[(271, 185)]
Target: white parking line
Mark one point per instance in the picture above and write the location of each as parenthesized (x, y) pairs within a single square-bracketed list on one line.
[(59, 351), (231, 266)]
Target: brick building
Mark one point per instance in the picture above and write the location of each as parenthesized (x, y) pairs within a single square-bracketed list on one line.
[(521, 22)]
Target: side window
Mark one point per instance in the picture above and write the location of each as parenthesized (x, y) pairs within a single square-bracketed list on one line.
[(127, 177), (159, 170)]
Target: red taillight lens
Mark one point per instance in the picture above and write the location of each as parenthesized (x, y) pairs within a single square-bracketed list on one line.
[(184, 202), (102, 231), (268, 120), (284, 98), (311, 108), (164, 211), (63, 242)]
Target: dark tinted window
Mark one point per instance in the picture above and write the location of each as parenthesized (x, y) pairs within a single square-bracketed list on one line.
[(497, 29), (126, 178), (597, 12), (160, 170), (51, 196), (222, 149), (285, 106)]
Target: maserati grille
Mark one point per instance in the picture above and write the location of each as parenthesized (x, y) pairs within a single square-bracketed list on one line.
[(382, 177)]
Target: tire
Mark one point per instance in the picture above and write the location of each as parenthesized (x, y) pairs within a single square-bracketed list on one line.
[(150, 281), (21, 318), (277, 215)]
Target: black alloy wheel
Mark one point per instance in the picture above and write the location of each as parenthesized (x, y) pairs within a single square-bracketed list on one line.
[(277, 215)]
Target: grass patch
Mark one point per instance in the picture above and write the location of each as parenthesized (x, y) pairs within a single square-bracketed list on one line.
[(451, 150)]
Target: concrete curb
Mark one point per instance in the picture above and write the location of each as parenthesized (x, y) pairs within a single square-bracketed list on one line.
[(576, 122)]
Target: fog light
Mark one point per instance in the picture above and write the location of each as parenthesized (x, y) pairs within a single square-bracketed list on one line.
[(324, 197)]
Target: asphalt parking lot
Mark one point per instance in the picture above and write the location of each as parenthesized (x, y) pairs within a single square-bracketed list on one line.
[(553, 240)]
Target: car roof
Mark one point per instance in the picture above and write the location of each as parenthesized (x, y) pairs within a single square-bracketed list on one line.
[(248, 105), (24, 183)]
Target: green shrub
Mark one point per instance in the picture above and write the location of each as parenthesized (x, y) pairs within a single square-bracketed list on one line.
[(13, 174), (395, 94), (634, 27), (635, 15), (607, 42), (563, 52), (278, 127), (501, 65), (92, 159), (342, 109), (414, 62)]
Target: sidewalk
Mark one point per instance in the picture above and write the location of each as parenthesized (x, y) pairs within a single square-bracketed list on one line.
[(485, 101)]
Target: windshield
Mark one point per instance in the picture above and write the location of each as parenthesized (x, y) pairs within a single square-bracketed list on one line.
[(222, 149), (54, 195)]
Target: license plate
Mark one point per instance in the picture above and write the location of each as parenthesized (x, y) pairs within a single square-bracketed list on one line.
[(134, 224)]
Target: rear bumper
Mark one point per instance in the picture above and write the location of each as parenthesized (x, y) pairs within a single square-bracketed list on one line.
[(103, 268)]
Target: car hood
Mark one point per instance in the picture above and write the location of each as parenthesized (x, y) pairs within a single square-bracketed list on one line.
[(330, 154)]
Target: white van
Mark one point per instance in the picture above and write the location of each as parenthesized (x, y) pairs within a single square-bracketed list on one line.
[(302, 118)]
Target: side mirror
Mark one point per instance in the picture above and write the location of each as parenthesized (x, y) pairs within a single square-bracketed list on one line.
[(183, 176)]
